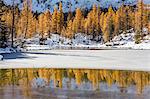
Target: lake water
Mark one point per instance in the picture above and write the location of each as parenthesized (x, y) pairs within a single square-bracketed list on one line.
[(73, 84)]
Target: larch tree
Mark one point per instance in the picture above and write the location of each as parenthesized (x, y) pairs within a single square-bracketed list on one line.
[(108, 25), (122, 12), (139, 21), (7, 17), (60, 19), (3, 27), (91, 23), (54, 21), (148, 11), (96, 29), (77, 21), (41, 25), (70, 15), (132, 18), (31, 25), (82, 25), (128, 17), (105, 29), (116, 24), (69, 31), (145, 15), (122, 20), (98, 26), (94, 21), (149, 27), (34, 26), (88, 24), (19, 28), (101, 19), (48, 22), (13, 24), (11, 17), (110, 16), (26, 19)]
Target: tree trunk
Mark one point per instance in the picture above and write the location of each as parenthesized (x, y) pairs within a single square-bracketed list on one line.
[(13, 23)]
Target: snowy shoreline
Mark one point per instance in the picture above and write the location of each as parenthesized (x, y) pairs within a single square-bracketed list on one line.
[(84, 48), (81, 41)]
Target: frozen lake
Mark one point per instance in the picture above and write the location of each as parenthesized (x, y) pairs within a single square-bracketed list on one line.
[(97, 59)]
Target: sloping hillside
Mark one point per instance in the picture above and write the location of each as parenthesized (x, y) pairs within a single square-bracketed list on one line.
[(42, 5)]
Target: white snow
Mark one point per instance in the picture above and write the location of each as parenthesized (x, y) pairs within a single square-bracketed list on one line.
[(81, 41), (37, 47), (59, 42), (1, 57), (127, 40)]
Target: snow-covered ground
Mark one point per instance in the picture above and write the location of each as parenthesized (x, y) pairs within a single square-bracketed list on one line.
[(82, 41), (127, 40), (89, 59)]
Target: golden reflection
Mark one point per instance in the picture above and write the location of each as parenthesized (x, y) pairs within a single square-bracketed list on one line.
[(124, 79)]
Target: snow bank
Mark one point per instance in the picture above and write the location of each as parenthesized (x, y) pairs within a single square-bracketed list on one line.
[(7, 50), (37, 47)]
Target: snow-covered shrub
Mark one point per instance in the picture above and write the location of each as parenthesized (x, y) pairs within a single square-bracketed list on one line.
[(81, 39), (1, 57)]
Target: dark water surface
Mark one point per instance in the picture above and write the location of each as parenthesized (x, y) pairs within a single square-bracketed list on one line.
[(73, 84)]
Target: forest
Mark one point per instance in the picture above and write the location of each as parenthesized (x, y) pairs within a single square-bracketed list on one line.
[(102, 24)]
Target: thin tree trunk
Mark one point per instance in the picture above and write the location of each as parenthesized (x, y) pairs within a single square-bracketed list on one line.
[(13, 23), (25, 36), (26, 30), (141, 34)]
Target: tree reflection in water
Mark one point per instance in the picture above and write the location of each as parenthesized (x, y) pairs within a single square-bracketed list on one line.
[(63, 78)]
